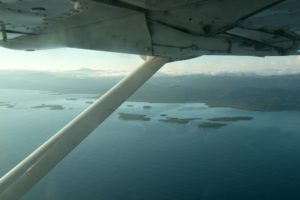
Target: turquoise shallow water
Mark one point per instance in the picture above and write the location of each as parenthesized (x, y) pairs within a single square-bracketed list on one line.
[(257, 159)]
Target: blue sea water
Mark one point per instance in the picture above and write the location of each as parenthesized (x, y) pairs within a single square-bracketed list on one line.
[(146, 160)]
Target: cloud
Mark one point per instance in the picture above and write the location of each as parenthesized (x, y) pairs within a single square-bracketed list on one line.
[(235, 64), (66, 59)]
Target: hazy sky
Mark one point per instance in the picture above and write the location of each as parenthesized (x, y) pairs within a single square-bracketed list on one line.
[(71, 59)]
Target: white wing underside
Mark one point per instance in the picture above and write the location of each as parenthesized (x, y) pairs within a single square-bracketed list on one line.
[(171, 28)]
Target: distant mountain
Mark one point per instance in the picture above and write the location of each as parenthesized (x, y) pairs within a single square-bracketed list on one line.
[(252, 92), (263, 93)]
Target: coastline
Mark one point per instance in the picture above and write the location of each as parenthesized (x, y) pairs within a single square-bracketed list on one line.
[(264, 107)]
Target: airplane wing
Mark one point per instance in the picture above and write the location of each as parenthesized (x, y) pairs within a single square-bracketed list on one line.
[(170, 28)]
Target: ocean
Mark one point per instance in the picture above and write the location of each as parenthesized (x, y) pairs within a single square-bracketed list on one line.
[(155, 159)]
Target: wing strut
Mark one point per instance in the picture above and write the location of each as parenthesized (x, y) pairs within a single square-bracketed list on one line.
[(28, 172)]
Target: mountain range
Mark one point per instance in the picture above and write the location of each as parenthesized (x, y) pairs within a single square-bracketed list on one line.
[(251, 92)]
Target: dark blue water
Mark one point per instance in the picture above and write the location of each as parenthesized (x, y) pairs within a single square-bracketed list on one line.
[(257, 159)]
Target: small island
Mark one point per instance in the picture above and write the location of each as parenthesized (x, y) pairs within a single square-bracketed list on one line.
[(130, 116), (51, 107), (71, 99), (230, 119), (7, 105), (50, 93), (211, 125), (178, 120), (147, 107)]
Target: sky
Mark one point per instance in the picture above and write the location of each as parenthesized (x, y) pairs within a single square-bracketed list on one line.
[(66, 59)]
